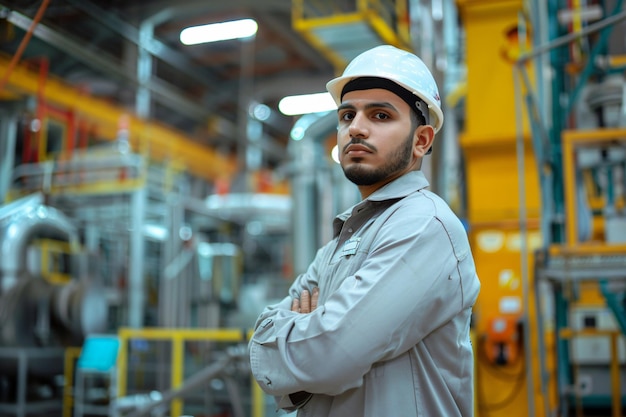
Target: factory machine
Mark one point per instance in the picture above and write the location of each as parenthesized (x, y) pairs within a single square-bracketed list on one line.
[(40, 312), (110, 242), (104, 235), (544, 153), (108, 250)]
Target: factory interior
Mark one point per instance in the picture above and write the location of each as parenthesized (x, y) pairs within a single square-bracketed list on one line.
[(155, 196)]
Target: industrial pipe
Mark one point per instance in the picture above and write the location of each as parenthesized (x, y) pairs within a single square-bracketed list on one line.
[(20, 222), (220, 367)]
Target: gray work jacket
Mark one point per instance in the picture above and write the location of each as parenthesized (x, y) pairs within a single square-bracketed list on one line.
[(390, 336)]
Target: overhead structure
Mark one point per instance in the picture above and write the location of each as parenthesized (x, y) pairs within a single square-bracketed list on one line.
[(342, 30), (58, 100)]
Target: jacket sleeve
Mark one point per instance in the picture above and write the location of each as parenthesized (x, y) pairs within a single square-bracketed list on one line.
[(409, 284), (287, 398)]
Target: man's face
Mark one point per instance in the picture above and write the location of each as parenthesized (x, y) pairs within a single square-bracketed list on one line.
[(375, 137)]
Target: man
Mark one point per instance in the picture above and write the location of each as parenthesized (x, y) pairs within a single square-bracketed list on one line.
[(379, 324)]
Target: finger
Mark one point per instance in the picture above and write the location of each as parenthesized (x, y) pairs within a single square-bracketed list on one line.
[(305, 301), (315, 298), (295, 305)]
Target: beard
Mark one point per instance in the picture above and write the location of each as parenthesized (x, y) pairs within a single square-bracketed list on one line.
[(398, 160)]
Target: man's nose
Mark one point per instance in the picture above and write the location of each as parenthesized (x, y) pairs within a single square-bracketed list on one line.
[(358, 127)]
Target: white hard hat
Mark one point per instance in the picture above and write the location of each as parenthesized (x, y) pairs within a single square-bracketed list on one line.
[(399, 66)]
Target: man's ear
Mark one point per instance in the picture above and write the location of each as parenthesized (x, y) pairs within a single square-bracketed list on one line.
[(424, 136)]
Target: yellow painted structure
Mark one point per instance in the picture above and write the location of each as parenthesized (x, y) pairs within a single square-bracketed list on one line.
[(324, 24), (158, 141), (178, 338), (596, 248), (573, 140), (51, 251), (499, 241), (71, 356)]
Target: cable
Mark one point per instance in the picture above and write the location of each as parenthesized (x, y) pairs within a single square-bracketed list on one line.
[(518, 378), (515, 390), (24, 43)]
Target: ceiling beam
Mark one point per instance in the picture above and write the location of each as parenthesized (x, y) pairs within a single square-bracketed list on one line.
[(108, 65), (155, 47)]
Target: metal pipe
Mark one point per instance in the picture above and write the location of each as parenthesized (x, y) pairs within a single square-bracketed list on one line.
[(8, 134), (196, 381), (306, 153), (524, 258), (591, 59), (20, 222), (564, 40), (136, 296)]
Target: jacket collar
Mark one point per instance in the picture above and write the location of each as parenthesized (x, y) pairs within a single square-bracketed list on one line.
[(399, 188)]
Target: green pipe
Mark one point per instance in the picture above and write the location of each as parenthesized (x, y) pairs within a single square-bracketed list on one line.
[(590, 65), (614, 305)]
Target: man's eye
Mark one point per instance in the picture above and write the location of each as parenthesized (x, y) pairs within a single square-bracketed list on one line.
[(381, 116), (346, 116)]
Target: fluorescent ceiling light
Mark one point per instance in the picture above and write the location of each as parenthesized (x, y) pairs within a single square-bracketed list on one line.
[(307, 103), (214, 32)]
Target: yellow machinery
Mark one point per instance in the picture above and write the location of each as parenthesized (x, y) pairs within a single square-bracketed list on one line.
[(587, 271), (501, 242), (543, 344)]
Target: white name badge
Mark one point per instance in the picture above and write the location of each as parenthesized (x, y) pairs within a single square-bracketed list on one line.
[(350, 247)]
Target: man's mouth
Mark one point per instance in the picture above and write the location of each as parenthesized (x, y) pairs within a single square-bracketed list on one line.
[(357, 149)]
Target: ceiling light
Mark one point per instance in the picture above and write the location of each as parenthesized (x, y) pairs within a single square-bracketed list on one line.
[(214, 32), (307, 103)]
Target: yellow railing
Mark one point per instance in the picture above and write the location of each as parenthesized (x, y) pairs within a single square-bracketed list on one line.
[(177, 338), (71, 356)]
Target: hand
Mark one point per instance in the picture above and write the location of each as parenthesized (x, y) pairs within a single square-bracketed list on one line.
[(307, 301)]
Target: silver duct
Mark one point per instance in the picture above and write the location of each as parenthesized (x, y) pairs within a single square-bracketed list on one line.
[(20, 222), (34, 312)]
